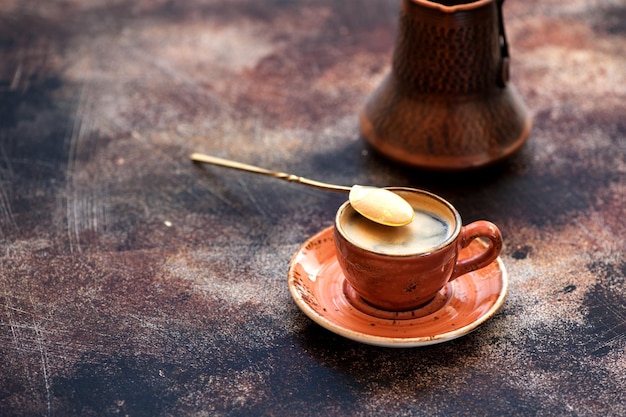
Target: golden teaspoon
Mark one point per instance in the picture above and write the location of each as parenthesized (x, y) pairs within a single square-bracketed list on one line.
[(377, 204)]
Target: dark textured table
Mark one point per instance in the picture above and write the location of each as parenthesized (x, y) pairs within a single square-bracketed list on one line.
[(133, 282)]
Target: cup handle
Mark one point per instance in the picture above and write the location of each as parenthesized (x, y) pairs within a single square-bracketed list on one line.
[(480, 228)]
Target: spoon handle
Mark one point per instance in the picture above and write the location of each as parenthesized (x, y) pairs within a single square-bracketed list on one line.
[(208, 159)]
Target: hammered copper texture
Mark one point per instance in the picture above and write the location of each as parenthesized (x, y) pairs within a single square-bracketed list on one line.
[(135, 283), (444, 104)]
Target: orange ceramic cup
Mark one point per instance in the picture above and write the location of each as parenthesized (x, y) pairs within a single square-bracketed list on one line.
[(403, 268)]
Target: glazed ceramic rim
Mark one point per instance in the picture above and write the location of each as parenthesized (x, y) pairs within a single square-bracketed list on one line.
[(391, 342), (440, 200)]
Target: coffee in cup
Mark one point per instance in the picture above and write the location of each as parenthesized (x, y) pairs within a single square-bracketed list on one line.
[(402, 268), (426, 231)]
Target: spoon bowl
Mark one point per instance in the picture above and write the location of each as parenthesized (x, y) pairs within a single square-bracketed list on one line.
[(381, 205)]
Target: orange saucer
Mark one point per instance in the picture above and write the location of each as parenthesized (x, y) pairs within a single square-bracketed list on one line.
[(318, 287)]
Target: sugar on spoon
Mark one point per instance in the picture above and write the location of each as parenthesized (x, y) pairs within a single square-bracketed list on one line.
[(377, 204)]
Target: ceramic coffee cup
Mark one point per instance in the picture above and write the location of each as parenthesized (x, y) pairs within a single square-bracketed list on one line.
[(403, 268)]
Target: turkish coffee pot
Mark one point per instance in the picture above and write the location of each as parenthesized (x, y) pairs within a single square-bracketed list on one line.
[(447, 103)]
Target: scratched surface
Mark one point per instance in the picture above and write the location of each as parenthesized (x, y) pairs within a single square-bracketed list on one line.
[(135, 283)]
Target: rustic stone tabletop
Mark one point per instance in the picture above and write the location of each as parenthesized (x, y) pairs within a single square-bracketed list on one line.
[(133, 282)]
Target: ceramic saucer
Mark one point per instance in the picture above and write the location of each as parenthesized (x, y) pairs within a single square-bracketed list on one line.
[(318, 287)]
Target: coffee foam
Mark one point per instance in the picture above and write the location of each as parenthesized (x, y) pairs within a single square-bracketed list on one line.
[(433, 224)]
